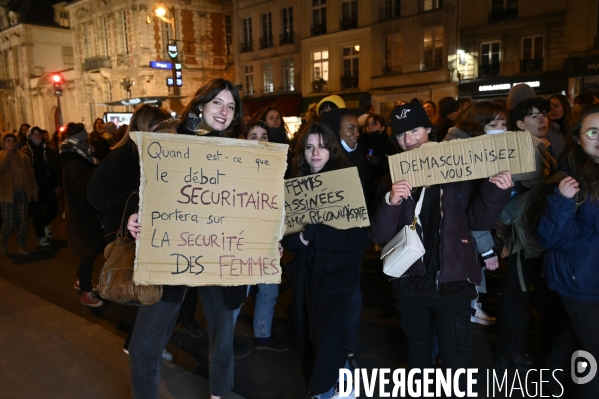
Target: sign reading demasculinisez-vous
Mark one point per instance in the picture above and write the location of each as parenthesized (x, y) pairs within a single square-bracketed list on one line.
[(465, 159), (211, 210)]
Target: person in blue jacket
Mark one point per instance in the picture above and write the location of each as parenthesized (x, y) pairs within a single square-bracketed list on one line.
[(569, 230)]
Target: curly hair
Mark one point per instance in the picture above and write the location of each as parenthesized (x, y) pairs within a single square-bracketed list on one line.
[(480, 114), (585, 168), (336, 158)]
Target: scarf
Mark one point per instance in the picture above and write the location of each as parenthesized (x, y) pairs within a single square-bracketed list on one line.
[(77, 143)]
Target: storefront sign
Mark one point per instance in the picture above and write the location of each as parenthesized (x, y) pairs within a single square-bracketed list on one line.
[(507, 86), (161, 65)]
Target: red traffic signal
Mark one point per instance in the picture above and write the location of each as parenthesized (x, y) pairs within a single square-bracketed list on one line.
[(56, 78), (57, 83)]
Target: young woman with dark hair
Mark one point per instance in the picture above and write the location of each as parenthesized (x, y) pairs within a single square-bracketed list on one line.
[(569, 230), (277, 128), (325, 273), (215, 110), (431, 109)]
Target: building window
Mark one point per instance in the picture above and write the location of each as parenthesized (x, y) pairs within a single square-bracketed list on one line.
[(287, 36), (532, 54), (490, 58), (319, 17), (429, 5), (391, 10), (320, 66), (39, 71), (248, 80), (502, 10), (288, 75), (229, 34), (247, 44), (351, 67), (85, 45), (267, 78), (349, 15), (433, 49), (63, 19), (123, 31), (68, 58), (107, 91), (393, 54), (266, 40)]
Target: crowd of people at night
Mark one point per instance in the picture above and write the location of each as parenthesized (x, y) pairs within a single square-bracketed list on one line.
[(541, 227)]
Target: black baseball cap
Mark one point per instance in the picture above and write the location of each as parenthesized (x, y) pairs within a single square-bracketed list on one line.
[(407, 117)]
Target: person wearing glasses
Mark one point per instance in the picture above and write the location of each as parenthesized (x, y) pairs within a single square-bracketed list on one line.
[(569, 230)]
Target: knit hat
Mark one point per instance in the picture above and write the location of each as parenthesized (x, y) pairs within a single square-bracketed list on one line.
[(110, 127), (519, 93), (407, 117), (448, 105), (335, 99)]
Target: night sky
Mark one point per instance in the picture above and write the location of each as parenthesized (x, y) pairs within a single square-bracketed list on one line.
[(38, 12)]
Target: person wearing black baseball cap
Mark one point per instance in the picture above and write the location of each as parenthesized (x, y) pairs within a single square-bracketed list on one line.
[(437, 290)]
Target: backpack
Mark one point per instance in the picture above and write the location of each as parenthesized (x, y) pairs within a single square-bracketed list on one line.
[(524, 211)]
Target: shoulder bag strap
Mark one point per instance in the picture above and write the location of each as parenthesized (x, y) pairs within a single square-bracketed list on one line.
[(418, 208), (121, 231)]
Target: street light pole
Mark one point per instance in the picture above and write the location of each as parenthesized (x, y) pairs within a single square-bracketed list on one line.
[(173, 53)]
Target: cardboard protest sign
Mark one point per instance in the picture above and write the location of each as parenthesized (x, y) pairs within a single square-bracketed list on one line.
[(333, 198), (211, 210), (467, 159)]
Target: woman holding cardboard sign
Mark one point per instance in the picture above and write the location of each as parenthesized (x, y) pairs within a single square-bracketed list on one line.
[(438, 288), (325, 274), (215, 110)]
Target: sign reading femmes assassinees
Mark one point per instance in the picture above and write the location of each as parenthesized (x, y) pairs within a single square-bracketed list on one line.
[(211, 210), (332, 198), (466, 159)]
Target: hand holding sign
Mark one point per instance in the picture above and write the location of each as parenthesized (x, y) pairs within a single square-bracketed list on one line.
[(503, 180), (399, 192)]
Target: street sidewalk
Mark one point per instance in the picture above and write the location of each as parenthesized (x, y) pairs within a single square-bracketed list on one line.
[(49, 352)]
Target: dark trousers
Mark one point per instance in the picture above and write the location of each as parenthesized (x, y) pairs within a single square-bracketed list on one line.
[(454, 334), (84, 272), (351, 328), (514, 309), (584, 319), (15, 216), (43, 210), (153, 328)]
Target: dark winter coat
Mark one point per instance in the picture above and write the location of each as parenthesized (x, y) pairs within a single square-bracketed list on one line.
[(324, 276), (463, 210), (84, 229), (570, 233), (442, 126), (110, 186)]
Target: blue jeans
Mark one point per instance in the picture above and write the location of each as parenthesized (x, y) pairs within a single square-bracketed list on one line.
[(264, 311), (153, 328)]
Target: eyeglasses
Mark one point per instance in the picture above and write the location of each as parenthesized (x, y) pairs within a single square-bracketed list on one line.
[(592, 134)]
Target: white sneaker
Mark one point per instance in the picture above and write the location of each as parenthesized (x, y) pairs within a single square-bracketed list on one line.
[(481, 317), (48, 232), (166, 355), (44, 241)]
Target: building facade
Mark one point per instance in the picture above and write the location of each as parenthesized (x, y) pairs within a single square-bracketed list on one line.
[(116, 40)]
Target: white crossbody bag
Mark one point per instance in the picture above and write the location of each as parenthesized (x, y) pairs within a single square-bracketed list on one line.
[(405, 248)]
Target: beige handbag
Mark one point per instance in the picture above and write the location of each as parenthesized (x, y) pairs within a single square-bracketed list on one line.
[(116, 277), (405, 248)]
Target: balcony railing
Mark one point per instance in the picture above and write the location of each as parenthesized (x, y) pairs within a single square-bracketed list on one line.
[(349, 23), (531, 65), (349, 82), (390, 70), (489, 69), (266, 42), (247, 46), (318, 30), (430, 65), (319, 85), (286, 38), (92, 63), (503, 15), (389, 13), (6, 84)]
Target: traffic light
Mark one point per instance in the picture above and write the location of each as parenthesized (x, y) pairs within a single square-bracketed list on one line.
[(57, 83)]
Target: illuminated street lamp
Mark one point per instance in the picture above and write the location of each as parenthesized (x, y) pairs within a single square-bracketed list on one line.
[(160, 11)]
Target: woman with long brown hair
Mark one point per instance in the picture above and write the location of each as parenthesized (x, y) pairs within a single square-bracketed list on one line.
[(325, 273)]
